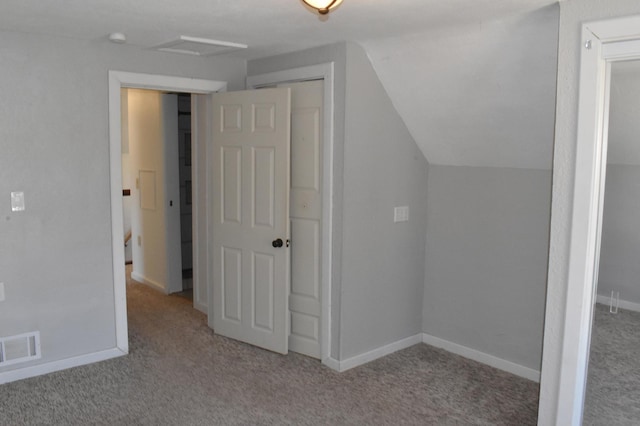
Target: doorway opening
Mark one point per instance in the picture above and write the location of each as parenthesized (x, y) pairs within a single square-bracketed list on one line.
[(329, 318), (603, 43), (201, 132), (186, 201), (117, 81), (156, 176)]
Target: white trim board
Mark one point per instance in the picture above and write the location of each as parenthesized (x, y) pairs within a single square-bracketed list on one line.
[(148, 282), (50, 367), (623, 304), (372, 355), (484, 358), (454, 348), (323, 71)]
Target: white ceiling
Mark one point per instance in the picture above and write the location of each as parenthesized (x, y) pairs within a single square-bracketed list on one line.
[(474, 80)]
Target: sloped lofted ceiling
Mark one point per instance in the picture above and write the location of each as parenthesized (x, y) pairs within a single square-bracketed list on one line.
[(474, 80), (482, 94)]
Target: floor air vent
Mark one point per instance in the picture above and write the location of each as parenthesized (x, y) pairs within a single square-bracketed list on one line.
[(21, 348)]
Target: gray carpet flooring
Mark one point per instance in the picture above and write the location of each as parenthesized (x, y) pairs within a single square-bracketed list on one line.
[(613, 381), (179, 373)]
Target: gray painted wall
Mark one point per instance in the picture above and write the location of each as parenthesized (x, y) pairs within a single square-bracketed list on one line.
[(624, 126), (383, 261), (620, 249), (55, 148), (378, 274), (572, 14), (486, 259), (56, 257)]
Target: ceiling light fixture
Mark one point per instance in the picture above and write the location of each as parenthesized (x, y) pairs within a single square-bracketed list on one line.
[(322, 6)]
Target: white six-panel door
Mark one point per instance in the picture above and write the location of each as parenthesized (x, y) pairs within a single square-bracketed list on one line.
[(251, 136), (305, 301)]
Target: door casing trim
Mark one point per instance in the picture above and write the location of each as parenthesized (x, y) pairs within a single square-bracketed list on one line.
[(565, 360), (325, 72), (117, 81)]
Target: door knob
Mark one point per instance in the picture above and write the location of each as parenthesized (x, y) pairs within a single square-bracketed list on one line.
[(277, 243)]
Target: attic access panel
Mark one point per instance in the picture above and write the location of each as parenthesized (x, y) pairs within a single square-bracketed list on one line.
[(199, 46)]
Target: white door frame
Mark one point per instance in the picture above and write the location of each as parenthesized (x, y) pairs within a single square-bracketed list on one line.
[(118, 80), (603, 42), (325, 72)]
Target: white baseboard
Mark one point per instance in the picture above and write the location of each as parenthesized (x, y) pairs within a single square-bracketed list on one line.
[(372, 355), (499, 363), (50, 367), (332, 363), (153, 284), (200, 307), (623, 304)]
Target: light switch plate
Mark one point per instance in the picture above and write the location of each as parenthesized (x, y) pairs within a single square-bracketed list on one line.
[(1, 292), (17, 201), (401, 214)]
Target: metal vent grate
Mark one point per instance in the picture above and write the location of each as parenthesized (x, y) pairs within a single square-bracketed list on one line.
[(20, 348)]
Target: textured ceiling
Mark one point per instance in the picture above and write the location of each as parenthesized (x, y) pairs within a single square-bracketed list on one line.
[(474, 80)]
